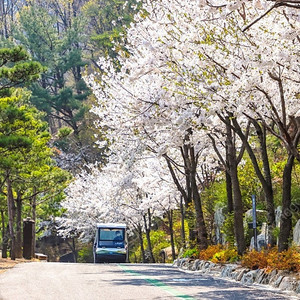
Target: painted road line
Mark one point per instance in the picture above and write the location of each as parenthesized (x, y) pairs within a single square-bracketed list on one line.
[(157, 283)]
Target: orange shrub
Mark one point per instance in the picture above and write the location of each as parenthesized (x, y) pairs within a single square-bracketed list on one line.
[(254, 260), (218, 254), (265, 259), (272, 259), (286, 260), (209, 253)]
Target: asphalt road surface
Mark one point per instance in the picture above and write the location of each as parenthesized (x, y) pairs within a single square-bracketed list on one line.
[(60, 281)]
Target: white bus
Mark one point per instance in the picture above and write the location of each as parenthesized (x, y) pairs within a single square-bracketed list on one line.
[(110, 244)]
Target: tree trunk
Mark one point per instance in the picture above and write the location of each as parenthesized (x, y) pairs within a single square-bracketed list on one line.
[(140, 235), (182, 229), (72, 246), (201, 228), (5, 243), (265, 177), (268, 190), (11, 213), (75, 254), (190, 163), (229, 193), (4, 236), (148, 229), (267, 172), (237, 196), (186, 192), (286, 216), (33, 214), (170, 219)]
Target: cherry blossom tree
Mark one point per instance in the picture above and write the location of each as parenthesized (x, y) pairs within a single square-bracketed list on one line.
[(247, 74), (198, 66)]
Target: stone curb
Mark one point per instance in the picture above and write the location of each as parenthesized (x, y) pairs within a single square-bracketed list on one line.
[(278, 279)]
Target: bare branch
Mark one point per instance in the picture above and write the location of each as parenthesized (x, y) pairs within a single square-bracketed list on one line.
[(260, 17)]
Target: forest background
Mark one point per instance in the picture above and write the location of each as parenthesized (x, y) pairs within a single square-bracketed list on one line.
[(190, 116)]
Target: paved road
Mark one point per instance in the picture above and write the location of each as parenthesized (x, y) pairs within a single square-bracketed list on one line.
[(60, 281)]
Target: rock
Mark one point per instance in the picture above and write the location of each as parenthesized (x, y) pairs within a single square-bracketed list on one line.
[(195, 265), (183, 261), (262, 238), (296, 234), (260, 276), (201, 265), (265, 279), (180, 261), (226, 272), (249, 277), (234, 275), (219, 218), (210, 267), (289, 284), (297, 289), (206, 265), (272, 277), (241, 274), (278, 211), (278, 280), (190, 264), (187, 263)]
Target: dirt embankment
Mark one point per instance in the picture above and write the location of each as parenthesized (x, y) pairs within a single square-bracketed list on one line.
[(7, 263)]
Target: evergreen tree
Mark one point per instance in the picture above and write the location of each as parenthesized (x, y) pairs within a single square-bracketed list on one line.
[(23, 141)]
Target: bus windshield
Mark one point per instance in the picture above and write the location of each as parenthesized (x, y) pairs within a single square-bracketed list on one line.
[(111, 237)]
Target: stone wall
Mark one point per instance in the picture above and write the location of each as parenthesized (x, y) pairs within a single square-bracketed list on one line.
[(277, 279)]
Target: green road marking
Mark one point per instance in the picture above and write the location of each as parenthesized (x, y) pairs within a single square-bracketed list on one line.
[(157, 283)]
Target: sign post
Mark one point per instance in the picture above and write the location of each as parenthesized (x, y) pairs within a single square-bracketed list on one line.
[(28, 229), (254, 221)]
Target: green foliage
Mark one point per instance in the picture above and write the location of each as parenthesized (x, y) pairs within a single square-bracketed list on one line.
[(85, 254), (177, 229), (13, 142), (249, 182), (61, 90), (107, 24), (16, 69), (25, 155), (192, 253), (275, 233), (226, 255), (159, 241), (228, 229), (219, 190), (19, 125), (64, 132)]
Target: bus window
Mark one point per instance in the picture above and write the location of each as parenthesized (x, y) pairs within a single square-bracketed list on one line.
[(111, 237)]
